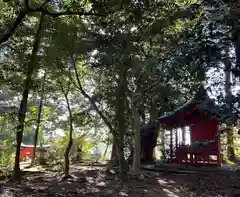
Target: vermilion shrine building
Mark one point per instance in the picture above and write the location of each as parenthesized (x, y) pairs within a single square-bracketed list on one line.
[(26, 151), (203, 118)]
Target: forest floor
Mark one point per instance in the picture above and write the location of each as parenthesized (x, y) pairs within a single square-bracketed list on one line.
[(94, 182)]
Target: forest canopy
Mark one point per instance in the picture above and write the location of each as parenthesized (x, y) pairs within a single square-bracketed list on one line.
[(100, 70)]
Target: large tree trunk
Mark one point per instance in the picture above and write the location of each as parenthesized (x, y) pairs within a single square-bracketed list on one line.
[(39, 115), (120, 118), (137, 141), (114, 150), (228, 91), (162, 148), (24, 101), (155, 122), (141, 110), (230, 146), (235, 14)]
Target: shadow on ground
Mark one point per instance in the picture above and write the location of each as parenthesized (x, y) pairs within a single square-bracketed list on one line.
[(94, 182)]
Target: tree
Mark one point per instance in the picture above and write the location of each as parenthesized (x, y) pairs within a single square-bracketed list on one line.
[(24, 101), (38, 120), (65, 92), (28, 7)]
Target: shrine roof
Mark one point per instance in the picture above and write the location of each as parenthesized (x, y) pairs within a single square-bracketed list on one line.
[(200, 102)]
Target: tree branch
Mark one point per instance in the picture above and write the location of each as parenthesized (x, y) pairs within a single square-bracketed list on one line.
[(64, 13), (45, 3), (57, 14), (138, 96), (28, 9), (10, 31), (100, 113)]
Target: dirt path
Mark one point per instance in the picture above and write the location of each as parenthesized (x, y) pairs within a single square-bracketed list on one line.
[(94, 182), (90, 182)]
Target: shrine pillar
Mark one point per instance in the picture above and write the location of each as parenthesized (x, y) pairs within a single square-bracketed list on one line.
[(171, 144), (176, 138), (184, 135)]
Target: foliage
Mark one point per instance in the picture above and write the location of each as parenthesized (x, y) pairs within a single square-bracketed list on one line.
[(6, 154), (7, 148), (236, 146), (109, 55), (55, 154)]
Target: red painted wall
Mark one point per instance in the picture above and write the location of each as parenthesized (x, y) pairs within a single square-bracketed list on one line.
[(25, 152), (206, 129)]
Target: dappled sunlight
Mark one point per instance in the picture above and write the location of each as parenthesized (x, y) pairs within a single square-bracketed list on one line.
[(97, 184), (169, 187), (90, 179), (119, 98), (101, 184), (162, 182), (123, 193), (7, 194), (170, 193), (171, 181)]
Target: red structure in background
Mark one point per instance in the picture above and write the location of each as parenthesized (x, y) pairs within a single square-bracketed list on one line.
[(26, 151), (201, 115)]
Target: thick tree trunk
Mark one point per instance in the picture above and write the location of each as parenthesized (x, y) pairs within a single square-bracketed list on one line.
[(114, 150), (235, 14), (154, 121), (24, 101), (162, 148), (153, 112), (120, 118), (137, 141), (39, 115), (230, 146), (142, 113), (228, 91)]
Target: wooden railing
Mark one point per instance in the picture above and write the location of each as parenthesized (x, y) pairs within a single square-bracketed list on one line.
[(207, 155)]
